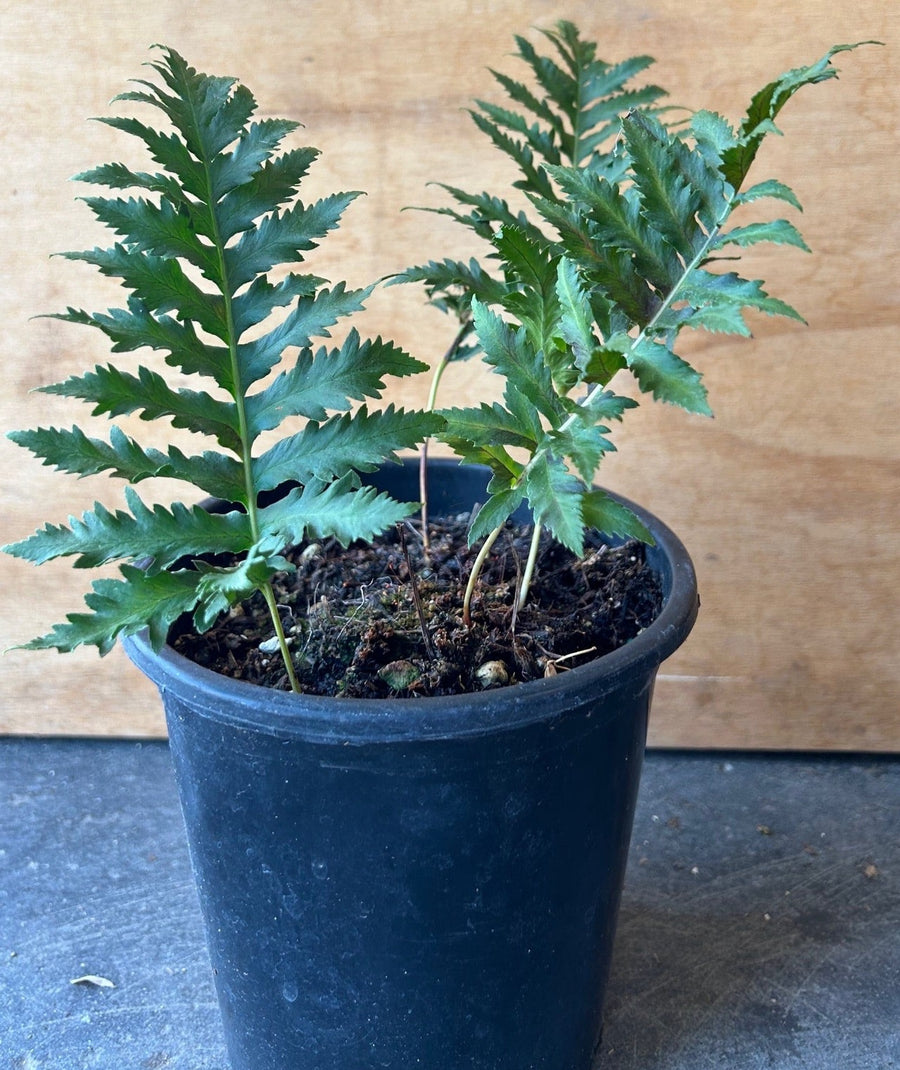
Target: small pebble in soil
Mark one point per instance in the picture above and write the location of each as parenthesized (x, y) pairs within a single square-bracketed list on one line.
[(492, 674)]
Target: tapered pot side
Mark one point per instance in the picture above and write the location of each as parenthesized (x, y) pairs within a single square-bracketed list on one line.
[(405, 883)]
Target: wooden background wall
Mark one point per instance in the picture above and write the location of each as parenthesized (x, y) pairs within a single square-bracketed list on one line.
[(788, 500)]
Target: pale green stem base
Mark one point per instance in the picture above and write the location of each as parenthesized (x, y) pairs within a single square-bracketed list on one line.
[(528, 575), (269, 596), (475, 573)]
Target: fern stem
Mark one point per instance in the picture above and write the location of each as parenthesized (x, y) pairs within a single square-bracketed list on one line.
[(475, 573), (240, 404), (423, 455), (429, 407), (269, 596), (237, 393), (530, 564)]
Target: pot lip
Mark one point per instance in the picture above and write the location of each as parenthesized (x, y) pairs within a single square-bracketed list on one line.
[(358, 721)]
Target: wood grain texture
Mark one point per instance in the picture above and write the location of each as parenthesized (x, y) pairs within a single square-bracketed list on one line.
[(787, 500)]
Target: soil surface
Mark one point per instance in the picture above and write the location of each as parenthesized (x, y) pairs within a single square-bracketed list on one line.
[(386, 619)]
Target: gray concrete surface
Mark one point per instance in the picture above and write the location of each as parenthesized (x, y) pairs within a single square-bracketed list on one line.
[(760, 924)]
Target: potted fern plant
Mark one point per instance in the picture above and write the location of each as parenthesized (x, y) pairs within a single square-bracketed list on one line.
[(424, 857)]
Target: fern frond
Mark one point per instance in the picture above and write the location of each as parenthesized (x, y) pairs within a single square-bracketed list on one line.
[(777, 231), (118, 393), (583, 444), (309, 318), (268, 189), (709, 293), (123, 607), (136, 327), (489, 423), (612, 218), (341, 510), (452, 283), (159, 534), (524, 371), (505, 498), (770, 188), (765, 107), (669, 200), (329, 380), (159, 229), (281, 237), (207, 248), (71, 450), (603, 513), (488, 212), (161, 284), (360, 440), (555, 497), (662, 373)]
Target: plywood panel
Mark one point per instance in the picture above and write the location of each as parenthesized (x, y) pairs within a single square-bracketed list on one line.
[(788, 500)]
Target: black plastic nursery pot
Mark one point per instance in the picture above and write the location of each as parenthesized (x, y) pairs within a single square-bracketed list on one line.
[(417, 882)]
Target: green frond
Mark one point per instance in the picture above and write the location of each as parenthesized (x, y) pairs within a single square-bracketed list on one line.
[(667, 377), (159, 229), (534, 177), (489, 423), (136, 327), (119, 608), (357, 441), (503, 501), (508, 351), (330, 379), (160, 284), (221, 586), (613, 218), (583, 443), (451, 284), (576, 316), (709, 293), (540, 108), (160, 535), (118, 393), (777, 231), (234, 170), (488, 212), (555, 497), (539, 140), (267, 189), (560, 86), (765, 107), (612, 274), (208, 111), (342, 510), (71, 450), (309, 318), (260, 299), (118, 176), (280, 238), (603, 513), (670, 201), (770, 188), (208, 248)]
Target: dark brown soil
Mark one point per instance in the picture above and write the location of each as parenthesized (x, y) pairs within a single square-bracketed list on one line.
[(355, 630)]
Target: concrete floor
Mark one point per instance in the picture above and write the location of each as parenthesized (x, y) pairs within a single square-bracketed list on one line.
[(760, 924)]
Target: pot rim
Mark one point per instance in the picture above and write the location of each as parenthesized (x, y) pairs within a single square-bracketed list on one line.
[(357, 721)]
